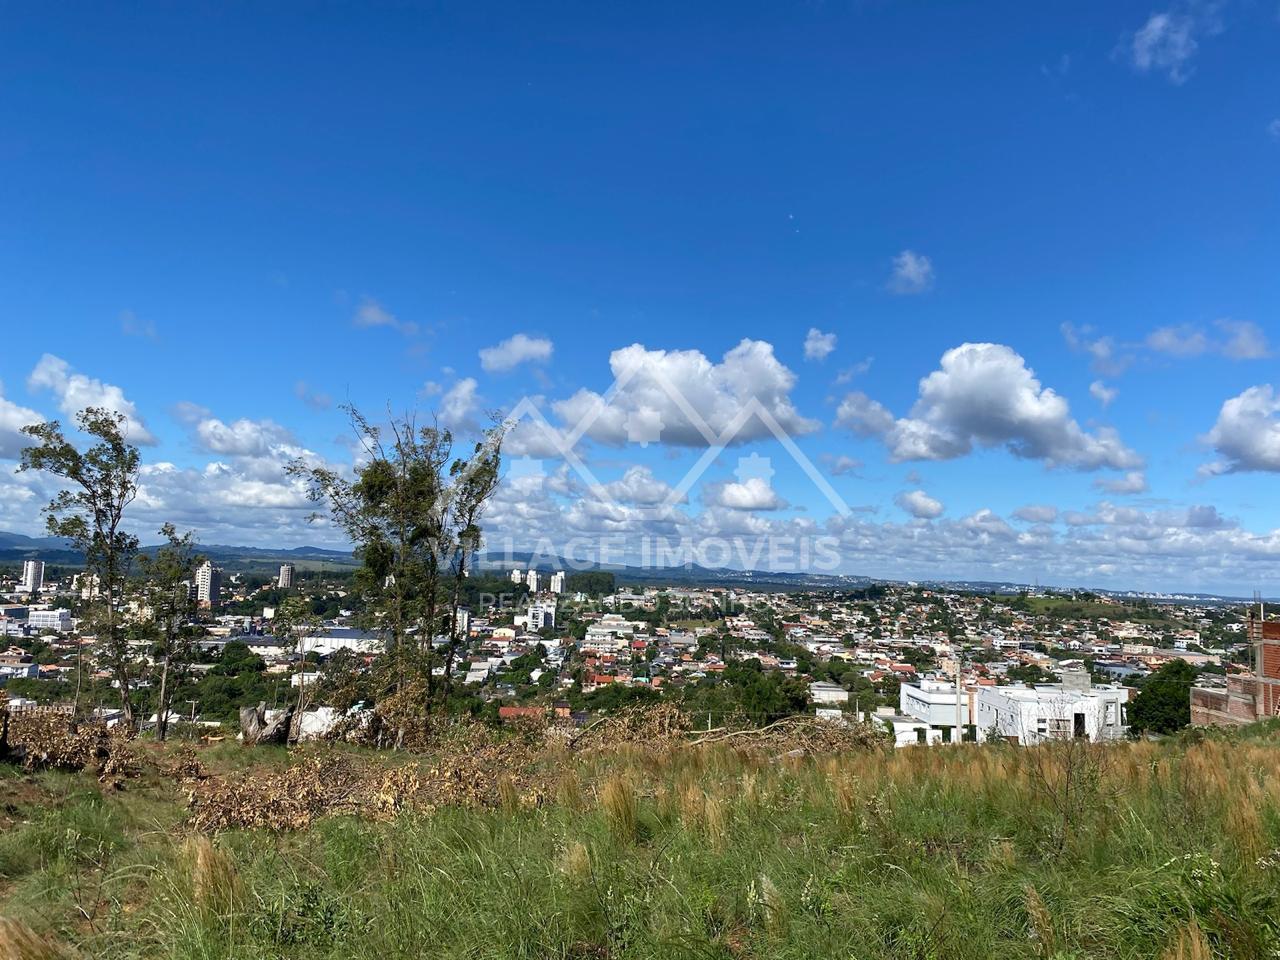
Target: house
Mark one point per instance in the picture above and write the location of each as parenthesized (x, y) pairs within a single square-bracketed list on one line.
[(1073, 709), (823, 692)]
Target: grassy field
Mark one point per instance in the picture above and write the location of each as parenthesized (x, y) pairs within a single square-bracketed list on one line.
[(1068, 609), (1135, 850)]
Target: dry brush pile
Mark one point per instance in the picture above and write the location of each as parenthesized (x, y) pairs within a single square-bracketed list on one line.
[(466, 765), (52, 741)]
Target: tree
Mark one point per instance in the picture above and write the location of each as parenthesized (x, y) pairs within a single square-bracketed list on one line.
[(1164, 703), (391, 513), (413, 512), (1030, 673), (103, 482), (165, 591)]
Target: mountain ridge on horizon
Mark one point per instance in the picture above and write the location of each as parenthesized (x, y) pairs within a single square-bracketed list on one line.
[(16, 547)]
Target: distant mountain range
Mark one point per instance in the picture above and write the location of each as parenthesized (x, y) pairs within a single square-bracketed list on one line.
[(15, 547)]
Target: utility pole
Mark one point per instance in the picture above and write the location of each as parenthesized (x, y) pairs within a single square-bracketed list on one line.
[(959, 725)]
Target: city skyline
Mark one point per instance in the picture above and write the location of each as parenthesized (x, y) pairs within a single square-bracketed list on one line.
[(1011, 300)]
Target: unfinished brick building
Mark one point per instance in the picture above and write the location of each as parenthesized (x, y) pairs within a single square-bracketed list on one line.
[(1247, 697)]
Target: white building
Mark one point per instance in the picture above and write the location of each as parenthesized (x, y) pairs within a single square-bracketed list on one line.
[(1053, 711), (330, 639), (208, 584), (285, 579), (86, 584), (933, 703), (823, 692), (541, 614), (32, 576), (59, 620), (531, 578), (557, 582), (517, 576)]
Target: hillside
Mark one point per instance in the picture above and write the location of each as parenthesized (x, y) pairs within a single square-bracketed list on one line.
[(495, 845)]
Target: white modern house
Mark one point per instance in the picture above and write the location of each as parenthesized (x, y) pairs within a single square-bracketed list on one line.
[(1053, 711), (1074, 708), (933, 702)]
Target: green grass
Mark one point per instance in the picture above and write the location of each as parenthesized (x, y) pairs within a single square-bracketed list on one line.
[(969, 852)]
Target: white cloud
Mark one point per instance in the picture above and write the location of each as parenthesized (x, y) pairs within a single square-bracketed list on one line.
[(985, 395), (1105, 355), (862, 415), (753, 493), (370, 313), (912, 273), (514, 351), (818, 345), (1273, 128), (1179, 341), (242, 438), (12, 419), (1135, 481), (75, 391), (840, 465), (131, 325), (667, 395), (639, 486), (1247, 433), (459, 404), (1165, 44), (919, 504), (1037, 513), (312, 398), (1245, 340), (1102, 393)]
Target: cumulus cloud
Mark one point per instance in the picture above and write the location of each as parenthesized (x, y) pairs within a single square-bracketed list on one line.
[(919, 504), (514, 351), (1037, 513), (13, 418), (75, 391), (639, 486), (241, 438), (1247, 433), (1102, 393), (912, 273), (984, 395), (459, 404), (752, 493), (1135, 481), (818, 345), (370, 313), (678, 397)]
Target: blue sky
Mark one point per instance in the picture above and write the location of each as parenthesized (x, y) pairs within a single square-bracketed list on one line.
[(239, 217)]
